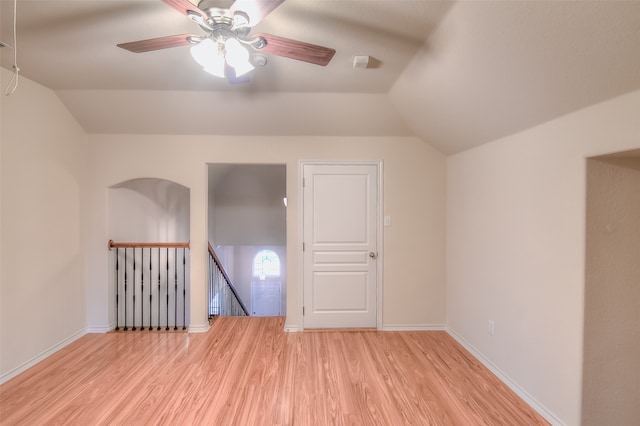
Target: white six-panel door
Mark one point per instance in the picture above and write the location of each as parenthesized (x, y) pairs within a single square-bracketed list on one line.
[(340, 214)]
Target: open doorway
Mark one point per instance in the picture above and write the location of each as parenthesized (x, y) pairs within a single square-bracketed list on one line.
[(611, 377), (247, 219)]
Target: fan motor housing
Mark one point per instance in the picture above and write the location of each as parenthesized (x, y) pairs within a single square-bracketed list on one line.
[(216, 7)]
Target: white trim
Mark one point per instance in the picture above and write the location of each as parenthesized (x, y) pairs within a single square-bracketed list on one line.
[(379, 232), (299, 245), (380, 245), (202, 328), (47, 353), (101, 328), (541, 409), (291, 329), (414, 327)]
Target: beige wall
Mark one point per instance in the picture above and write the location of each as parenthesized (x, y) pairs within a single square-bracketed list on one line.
[(43, 169), (611, 371), (414, 195), (55, 182), (515, 226), (516, 248)]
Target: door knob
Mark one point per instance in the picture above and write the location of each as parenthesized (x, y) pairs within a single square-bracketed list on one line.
[(373, 255)]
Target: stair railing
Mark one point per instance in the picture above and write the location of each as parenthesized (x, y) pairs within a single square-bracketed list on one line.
[(151, 288), (223, 297)]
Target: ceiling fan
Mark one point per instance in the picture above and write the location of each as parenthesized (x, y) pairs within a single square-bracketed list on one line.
[(222, 51)]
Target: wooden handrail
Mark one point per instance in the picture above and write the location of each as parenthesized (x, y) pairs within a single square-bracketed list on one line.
[(213, 254), (113, 244)]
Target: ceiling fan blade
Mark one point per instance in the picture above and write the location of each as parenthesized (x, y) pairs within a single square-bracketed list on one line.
[(255, 10), (158, 43), (186, 8), (294, 49)]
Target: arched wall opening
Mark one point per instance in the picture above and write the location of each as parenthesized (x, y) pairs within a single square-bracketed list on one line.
[(149, 286), (149, 210)]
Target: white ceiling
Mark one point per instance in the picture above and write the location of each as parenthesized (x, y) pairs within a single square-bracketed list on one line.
[(455, 74)]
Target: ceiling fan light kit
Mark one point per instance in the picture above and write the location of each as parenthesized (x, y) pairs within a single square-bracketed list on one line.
[(259, 60), (223, 51), (214, 55), (207, 54), (237, 57)]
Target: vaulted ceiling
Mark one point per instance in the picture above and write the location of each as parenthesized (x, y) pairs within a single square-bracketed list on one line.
[(455, 74)]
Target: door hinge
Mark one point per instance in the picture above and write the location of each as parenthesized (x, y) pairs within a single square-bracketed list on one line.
[(303, 310), (303, 182), (302, 246)]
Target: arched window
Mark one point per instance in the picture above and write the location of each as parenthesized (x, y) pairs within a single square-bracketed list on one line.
[(266, 264)]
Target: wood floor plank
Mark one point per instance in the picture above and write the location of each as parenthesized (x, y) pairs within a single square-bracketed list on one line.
[(248, 371)]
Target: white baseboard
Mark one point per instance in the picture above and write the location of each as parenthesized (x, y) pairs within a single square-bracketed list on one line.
[(392, 327), (202, 328), (33, 361), (101, 328), (541, 409), (413, 327)]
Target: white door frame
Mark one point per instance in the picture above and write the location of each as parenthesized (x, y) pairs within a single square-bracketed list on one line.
[(379, 233)]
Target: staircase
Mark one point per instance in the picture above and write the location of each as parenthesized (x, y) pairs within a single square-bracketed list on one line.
[(151, 282), (223, 297)]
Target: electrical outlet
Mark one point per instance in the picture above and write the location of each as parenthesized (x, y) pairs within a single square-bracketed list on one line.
[(492, 328)]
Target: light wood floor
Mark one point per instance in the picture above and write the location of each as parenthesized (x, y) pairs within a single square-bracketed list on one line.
[(247, 371)]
